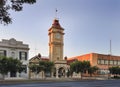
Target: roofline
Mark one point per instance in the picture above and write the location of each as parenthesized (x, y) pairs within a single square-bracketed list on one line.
[(91, 53)]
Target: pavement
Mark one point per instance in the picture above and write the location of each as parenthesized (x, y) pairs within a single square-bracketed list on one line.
[(19, 81)]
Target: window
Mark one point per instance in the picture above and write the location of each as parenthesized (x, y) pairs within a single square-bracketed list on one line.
[(106, 61), (99, 61), (23, 55), (118, 62), (102, 72), (2, 52), (13, 54), (111, 62), (102, 62), (115, 62), (57, 58)]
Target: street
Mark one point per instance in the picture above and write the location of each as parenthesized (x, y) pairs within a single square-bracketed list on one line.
[(94, 83)]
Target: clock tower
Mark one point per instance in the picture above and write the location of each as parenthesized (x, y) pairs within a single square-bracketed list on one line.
[(56, 37)]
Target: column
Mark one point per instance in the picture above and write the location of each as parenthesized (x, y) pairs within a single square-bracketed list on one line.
[(8, 74), (57, 73), (52, 74), (66, 73), (29, 74), (17, 74)]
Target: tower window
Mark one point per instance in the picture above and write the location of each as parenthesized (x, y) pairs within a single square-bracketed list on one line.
[(57, 58)]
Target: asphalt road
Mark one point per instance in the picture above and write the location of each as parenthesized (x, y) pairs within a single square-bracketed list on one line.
[(102, 83)]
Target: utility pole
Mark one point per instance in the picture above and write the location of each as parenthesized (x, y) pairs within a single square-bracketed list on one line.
[(110, 47), (109, 58)]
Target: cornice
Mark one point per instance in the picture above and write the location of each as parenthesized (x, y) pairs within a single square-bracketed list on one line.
[(15, 47)]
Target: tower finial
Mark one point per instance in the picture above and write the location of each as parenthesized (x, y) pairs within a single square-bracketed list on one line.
[(56, 13)]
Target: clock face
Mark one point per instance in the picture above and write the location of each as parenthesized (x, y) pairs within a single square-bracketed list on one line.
[(57, 35)]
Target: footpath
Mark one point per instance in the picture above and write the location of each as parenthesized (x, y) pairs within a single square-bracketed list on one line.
[(28, 81)]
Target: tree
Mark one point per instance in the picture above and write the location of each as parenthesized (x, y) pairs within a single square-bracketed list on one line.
[(92, 70), (34, 68), (84, 67), (79, 67), (16, 5), (15, 65), (49, 66), (8, 64), (115, 70), (43, 66), (75, 67), (46, 66), (4, 66)]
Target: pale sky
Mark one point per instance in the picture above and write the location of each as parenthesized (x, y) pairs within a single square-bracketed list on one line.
[(89, 25)]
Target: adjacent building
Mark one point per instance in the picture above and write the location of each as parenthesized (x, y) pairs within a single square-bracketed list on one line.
[(102, 61), (15, 49), (35, 60)]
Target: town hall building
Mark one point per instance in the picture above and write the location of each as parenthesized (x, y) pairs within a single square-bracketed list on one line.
[(56, 43), (56, 51)]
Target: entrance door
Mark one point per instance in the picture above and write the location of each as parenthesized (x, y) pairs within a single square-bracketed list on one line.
[(61, 72), (13, 74)]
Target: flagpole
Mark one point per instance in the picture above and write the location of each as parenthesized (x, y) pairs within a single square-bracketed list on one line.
[(56, 13)]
